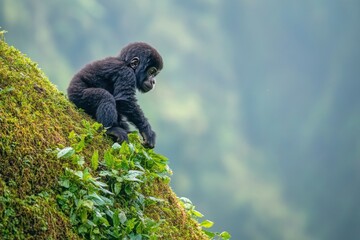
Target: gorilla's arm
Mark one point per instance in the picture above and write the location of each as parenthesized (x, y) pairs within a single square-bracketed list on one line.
[(132, 111), (126, 105)]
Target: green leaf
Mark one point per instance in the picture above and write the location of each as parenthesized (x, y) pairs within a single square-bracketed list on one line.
[(104, 221), (109, 159), (79, 174), (106, 191), (138, 165), (130, 224), (186, 200), (125, 149), (96, 126), (83, 216), (128, 189), (79, 160), (87, 175), (64, 183), (82, 229), (136, 237), (66, 152), (100, 184), (116, 218), (95, 160), (122, 217), (99, 200), (117, 188), (89, 204), (132, 175), (211, 235), (116, 146), (197, 214), (207, 224), (85, 203), (159, 157), (72, 136), (132, 147), (105, 173), (80, 145), (225, 235), (146, 155)]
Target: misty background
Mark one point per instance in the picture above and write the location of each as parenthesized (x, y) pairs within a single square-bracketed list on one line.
[(257, 107)]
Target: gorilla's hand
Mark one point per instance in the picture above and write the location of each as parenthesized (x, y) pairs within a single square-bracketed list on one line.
[(149, 137), (117, 134)]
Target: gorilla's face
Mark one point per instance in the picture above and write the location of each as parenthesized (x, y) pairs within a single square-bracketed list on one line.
[(145, 61), (146, 79)]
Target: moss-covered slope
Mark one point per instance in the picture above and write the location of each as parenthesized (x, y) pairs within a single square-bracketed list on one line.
[(35, 119)]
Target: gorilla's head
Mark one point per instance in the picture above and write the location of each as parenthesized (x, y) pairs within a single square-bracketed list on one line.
[(146, 63)]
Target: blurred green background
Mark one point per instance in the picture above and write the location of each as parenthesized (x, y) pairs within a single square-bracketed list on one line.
[(258, 105)]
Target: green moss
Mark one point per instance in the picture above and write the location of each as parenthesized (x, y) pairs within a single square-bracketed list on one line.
[(178, 223), (35, 119), (31, 217)]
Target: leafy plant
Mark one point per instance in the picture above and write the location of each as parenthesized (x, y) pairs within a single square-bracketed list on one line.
[(205, 224), (103, 199), (102, 196)]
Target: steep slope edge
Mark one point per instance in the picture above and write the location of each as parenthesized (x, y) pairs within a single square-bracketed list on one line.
[(36, 119)]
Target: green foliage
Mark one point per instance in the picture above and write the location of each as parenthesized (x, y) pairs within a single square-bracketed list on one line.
[(287, 103), (103, 200), (189, 206), (36, 118)]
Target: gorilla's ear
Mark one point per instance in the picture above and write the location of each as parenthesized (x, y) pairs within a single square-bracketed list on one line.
[(134, 63)]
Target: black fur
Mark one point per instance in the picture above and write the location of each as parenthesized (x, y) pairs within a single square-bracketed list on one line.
[(106, 90)]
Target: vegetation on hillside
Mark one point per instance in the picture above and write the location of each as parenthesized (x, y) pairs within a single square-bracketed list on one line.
[(62, 178), (257, 107)]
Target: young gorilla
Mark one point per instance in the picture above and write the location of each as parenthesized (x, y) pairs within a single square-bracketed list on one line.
[(106, 89)]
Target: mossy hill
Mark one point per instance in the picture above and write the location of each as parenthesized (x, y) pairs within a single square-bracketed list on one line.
[(51, 157)]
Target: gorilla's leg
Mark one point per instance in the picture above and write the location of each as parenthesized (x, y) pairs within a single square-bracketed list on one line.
[(106, 112), (101, 105)]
